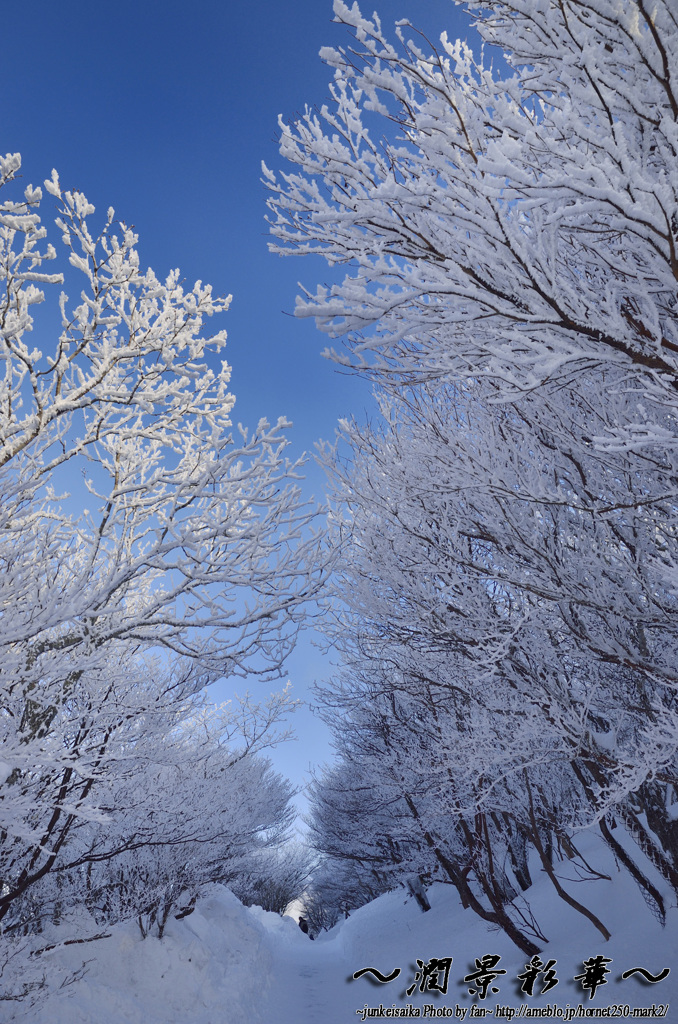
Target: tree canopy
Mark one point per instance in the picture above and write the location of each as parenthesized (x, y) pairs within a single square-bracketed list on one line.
[(146, 550), (503, 236)]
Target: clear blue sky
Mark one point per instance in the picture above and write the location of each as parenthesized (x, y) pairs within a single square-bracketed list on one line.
[(165, 110)]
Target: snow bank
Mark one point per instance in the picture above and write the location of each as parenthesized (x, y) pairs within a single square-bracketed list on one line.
[(226, 964), (203, 971)]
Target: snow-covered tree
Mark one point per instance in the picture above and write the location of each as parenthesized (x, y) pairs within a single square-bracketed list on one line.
[(508, 576), (145, 550), (518, 226), (515, 656), (273, 877), (197, 809)]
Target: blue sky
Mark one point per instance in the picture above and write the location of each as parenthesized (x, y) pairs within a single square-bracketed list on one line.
[(165, 111)]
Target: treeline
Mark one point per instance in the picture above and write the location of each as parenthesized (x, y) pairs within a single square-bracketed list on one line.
[(505, 595), (145, 553)]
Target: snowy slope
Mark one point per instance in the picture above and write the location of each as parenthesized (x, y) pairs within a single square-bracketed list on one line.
[(226, 964)]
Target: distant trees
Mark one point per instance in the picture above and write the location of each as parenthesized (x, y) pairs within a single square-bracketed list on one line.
[(506, 591), (273, 876), (144, 553), (202, 813)]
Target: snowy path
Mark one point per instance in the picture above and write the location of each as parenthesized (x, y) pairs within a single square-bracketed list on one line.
[(226, 964), (308, 980), (312, 982)]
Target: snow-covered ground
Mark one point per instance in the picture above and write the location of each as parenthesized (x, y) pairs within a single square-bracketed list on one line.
[(226, 964)]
